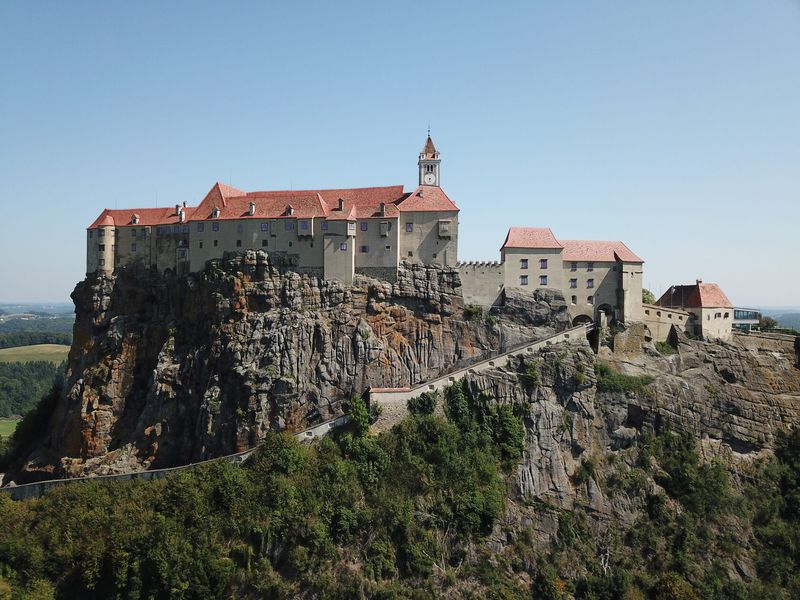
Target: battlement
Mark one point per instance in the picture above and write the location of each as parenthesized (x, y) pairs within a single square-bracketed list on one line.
[(484, 264)]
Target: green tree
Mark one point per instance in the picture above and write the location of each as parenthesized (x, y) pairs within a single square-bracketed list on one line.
[(648, 297)]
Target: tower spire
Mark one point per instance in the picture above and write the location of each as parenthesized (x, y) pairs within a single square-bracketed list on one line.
[(429, 162)]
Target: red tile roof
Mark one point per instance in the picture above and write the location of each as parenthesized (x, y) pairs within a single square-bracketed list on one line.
[(598, 251), (530, 237), (426, 198), (359, 203), (147, 216), (699, 295)]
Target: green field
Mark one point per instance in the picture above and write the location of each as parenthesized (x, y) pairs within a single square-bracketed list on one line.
[(7, 427), (54, 353)]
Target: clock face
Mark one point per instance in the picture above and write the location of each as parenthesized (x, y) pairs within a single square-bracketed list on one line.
[(430, 178)]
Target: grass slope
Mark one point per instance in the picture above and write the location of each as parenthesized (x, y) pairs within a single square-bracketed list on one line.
[(54, 353), (7, 427)]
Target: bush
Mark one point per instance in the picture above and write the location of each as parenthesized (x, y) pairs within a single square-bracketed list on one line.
[(359, 416), (665, 348), (609, 381), (473, 312), (424, 404)]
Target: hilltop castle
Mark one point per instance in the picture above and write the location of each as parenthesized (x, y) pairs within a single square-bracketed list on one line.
[(338, 233)]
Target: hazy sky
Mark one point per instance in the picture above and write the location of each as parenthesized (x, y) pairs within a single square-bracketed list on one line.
[(673, 126)]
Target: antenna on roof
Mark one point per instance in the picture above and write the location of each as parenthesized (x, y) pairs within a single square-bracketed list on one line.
[(429, 128)]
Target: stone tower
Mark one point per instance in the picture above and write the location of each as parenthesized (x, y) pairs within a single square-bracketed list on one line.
[(429, 162)]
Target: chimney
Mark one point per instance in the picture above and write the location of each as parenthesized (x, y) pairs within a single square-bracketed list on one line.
[(698, 281), (177, 209), (383, 209), (341, 204), (252, 210), (181, 215), (184, 205)]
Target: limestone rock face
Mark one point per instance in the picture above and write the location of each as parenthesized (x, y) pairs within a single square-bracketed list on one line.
[(165, 371)]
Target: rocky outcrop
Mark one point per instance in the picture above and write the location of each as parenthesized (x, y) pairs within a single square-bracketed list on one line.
[(165, 371), (735, 397)]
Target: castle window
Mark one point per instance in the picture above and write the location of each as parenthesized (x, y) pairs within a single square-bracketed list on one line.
[(265, 227), (590, 283), (542, 263), (574, 299), (90, 234), (133, 233), (200, 245), (543, 280), (726, 315), (410, 254), (133, 247), (288, 226), (669, 315), (343, 246), (176, 229), (647, 312), (101, 248), (304, 225), (201, 227), (523, 280), (573, 283), (102, 262), (364, 225), (590, 266), (434, 255), (351, 228), (363, 249), (590, 300), (216, 243), (239, 228), (185, 229), (409, 227), (101, 233), (384, 227), (523, 263), (573, 267), (238, 243), (264, 243), (324, 226), (215, 226)]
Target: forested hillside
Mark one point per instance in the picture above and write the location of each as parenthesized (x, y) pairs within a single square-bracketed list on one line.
[(23, 384), (423, 511)]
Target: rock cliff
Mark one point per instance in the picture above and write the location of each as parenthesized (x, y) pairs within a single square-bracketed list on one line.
[(165, 371), (734, 397)]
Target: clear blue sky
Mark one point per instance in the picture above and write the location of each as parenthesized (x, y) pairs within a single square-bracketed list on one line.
[(674, 126)]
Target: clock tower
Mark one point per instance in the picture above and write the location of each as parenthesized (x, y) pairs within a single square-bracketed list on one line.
[(429, 164)]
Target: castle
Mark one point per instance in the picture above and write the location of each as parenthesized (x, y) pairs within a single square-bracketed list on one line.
[(339, 233)]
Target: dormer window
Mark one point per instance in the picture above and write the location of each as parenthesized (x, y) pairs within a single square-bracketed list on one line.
[(252, 209), (134, 219), (215, 213), (289, 210)]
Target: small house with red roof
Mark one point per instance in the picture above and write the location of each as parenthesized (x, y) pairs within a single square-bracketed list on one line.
[(333, 233), (710, 311)]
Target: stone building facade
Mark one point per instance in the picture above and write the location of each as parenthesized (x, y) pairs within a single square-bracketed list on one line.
[(710, 313), (332, 233), (601, 281)]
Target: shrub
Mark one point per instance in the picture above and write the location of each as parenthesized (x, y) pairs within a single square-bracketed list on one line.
[(424, 404), (665, 348), (473, 312), (610, 381), (530, 374)]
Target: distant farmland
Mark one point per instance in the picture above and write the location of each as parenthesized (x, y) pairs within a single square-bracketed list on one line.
[(54, 353)]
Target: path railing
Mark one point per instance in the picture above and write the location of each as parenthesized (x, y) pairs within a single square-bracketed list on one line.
[(494, 359), (39, 488)]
